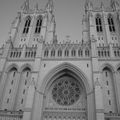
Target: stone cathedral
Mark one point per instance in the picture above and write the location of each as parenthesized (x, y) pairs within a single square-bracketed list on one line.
[(43, 78)]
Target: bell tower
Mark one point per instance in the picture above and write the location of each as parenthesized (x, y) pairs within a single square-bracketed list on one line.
[(33, 25)]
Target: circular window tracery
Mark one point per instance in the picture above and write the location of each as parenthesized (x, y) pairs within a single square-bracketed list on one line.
[(66, 91)]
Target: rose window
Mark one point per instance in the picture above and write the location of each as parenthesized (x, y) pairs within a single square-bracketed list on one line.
[(66, 91)]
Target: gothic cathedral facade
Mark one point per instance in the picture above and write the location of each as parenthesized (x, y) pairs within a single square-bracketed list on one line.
[(42, 78)]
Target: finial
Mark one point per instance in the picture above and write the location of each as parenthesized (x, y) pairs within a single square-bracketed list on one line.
[(25, 6)]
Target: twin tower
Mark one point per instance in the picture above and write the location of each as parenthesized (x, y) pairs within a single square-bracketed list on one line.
[(42, 78)]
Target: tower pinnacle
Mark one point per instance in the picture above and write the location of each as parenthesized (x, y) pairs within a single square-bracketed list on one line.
[(88, 5), (49, 6), (114, 4), (25, 7)]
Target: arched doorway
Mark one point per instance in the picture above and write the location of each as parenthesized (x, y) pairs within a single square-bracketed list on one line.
[(65, 96), (47, 107)]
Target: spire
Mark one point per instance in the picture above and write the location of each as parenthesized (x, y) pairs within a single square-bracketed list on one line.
[(49, 6), (25, 6)]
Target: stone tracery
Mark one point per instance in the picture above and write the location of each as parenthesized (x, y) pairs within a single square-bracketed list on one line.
[(66, 91), (64, 94)]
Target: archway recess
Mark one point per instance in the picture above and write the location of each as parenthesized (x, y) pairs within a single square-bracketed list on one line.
[(74, 69), (66, 92)]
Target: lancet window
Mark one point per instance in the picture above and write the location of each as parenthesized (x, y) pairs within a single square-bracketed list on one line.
[(109, 90), (98, 20), (53, 53), (73, 52), (24, 82), (59, 53), (27, 25), (46, 52), (10, 89), (111, 23), (38, 25), (66, 52)]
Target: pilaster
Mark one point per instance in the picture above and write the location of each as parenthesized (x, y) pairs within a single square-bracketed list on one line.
[(2, 87), (99, 108), (38, 101), (117, 89), (29, 100)]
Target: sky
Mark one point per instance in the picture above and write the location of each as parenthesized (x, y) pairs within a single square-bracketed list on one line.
[(68, 15)]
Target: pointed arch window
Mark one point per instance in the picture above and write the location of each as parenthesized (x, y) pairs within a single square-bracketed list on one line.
[(80, 52), (98, 23), (111, 23), (53, 53), (46, 53), (23, 88), (11, 84), (73, 52), (38, 25), (109, 90), (27, 25), (59, 53), (86, 52), (66, 52)]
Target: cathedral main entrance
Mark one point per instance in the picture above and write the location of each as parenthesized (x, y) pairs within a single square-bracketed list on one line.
[(65, 98)]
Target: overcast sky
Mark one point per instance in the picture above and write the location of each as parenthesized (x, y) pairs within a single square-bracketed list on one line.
[(68, 14)]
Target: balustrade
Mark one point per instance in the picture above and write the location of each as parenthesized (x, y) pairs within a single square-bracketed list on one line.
[(11, 115)]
